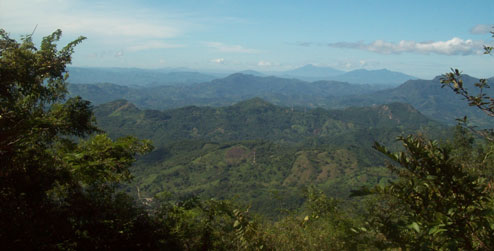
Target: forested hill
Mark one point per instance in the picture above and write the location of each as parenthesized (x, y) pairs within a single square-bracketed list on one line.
[(383, 77), (429, 98), (254, 149), (256, 119)]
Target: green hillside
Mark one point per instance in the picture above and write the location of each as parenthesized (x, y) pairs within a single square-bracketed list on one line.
[(258, 152), (258, 119), (429, 98)]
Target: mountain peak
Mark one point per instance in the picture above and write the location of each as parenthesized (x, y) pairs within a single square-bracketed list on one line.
[(313, 72), (254, 102), (239, 75), (252, 72), (380, 76)]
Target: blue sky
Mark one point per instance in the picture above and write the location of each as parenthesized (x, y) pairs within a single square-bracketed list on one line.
[(421, 38)]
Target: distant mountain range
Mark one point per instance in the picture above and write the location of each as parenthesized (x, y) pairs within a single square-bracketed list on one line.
[(361, 76), (428, 97), (254, 73), (224, 91), (311, 73), (382, 77), (136, 77), (185, 76)]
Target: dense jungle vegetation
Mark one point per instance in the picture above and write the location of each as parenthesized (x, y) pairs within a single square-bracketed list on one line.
[(215, 175)]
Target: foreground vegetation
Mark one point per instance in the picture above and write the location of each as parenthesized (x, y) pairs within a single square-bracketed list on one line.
[(59, 178)]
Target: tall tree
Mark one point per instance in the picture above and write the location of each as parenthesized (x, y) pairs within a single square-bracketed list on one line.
[(56, 184)]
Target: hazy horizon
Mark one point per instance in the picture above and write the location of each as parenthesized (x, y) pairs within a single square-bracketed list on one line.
[(418, 38)]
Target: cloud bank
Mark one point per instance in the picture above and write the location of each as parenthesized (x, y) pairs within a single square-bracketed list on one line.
[(454, 46)]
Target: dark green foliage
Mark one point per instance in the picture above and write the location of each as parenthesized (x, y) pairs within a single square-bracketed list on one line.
[(258, 119), (258, 152), (322, 224), (437, 202), (443, 198), (56, 193)]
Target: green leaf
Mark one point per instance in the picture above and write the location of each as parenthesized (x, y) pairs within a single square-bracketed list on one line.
[(437, 229), (414, 226)]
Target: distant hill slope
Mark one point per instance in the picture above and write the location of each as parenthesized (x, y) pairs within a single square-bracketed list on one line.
[(181, 76), (255, 119), (254, 149), (311, 73), (383, 77), (224, 91), (429, 98), (134, 76), (252, 72)]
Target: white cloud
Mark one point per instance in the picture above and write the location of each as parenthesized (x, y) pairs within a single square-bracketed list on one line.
[(80, 17), (118, 54), (153, 44), (230, 48), (264, 63), (218, 60), (454, 46), (482, 29)]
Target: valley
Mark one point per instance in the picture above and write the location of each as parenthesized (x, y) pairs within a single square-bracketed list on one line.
[(254, 149)]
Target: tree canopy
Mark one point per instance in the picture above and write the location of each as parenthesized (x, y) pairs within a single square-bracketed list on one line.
[(57, 167), (443, 197)]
